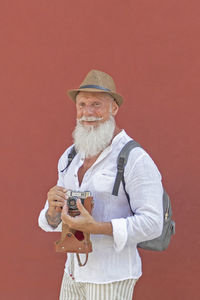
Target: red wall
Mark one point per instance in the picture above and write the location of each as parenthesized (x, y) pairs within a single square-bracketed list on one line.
[(152, 50)]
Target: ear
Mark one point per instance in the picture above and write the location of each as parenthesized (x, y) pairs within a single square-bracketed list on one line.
[(115, 108)]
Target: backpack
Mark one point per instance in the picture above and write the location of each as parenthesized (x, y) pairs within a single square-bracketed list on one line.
[(160, 243)]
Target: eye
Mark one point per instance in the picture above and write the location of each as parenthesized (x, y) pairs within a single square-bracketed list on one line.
[(97, 104), (81, 104)]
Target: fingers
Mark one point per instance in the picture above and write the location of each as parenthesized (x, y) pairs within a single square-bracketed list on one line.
[(58, 209), (83, 222), (81, 208), (64, 215), (56, 197), (57, 191), (59, 188), (65, 209)]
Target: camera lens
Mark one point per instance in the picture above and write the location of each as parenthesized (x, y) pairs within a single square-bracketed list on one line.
[(72, 202)]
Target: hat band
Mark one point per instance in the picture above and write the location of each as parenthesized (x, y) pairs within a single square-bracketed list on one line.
[(92, 86)]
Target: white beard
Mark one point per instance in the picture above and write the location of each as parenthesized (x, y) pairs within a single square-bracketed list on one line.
[(90, 140)]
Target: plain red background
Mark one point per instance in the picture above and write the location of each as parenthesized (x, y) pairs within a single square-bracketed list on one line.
[(151, 48)]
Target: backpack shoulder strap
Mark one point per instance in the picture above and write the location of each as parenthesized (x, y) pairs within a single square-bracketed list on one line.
[(121, 162), (71, 155)]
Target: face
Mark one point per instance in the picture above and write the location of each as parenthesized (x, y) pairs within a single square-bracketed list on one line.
[(99, 106)]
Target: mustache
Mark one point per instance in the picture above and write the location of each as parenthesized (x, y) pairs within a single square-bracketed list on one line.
[(90, 119)]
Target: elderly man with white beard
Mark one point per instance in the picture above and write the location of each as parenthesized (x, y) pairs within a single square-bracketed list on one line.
[(114, 265)]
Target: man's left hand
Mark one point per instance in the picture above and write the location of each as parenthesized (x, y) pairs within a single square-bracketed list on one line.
[(84, 222)]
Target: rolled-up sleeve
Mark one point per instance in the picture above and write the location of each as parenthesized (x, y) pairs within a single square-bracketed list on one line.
[(120, 233), (42, 221), (144, 187)]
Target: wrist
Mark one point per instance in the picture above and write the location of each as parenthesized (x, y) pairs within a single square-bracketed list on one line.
[(53, 218), (51, 212), (102, 228)]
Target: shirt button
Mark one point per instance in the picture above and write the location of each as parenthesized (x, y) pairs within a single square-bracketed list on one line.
[(75, 175)]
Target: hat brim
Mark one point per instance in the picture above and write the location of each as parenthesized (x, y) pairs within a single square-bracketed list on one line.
[(73, 93)]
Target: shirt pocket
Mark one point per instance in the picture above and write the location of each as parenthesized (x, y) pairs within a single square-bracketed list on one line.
[(103, 181)]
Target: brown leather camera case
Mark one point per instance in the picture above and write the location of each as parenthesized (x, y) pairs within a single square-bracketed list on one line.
[(74, 241)]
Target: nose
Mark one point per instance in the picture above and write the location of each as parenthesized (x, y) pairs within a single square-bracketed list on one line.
[(88, 110)]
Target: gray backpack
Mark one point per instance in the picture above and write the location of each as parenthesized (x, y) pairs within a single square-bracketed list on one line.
[(160, 243)]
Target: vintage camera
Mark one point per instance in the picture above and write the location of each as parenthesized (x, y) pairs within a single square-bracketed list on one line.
[(72, 201)]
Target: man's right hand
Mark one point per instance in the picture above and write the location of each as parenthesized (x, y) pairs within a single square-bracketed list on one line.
[(56, 198)]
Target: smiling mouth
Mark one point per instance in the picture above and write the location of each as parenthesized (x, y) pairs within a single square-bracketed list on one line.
[(87, 121), (90, 120), (90, 123)]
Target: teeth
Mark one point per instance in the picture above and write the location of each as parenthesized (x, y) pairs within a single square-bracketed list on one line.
[(90, 120)]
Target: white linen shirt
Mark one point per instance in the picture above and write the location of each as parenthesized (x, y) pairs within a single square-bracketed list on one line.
[(115, 257)]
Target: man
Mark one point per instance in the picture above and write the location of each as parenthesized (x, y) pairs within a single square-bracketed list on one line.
[(114, 266)]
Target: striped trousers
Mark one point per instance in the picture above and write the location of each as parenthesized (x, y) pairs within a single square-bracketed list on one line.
[(119, 290)]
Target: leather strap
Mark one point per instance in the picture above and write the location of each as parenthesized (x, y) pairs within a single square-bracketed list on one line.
[(79, 260), (121, 162)]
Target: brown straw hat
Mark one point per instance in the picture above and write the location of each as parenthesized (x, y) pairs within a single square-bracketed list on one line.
[(97, 81)]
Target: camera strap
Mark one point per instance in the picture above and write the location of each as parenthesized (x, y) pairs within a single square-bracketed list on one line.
[(79, 260)]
